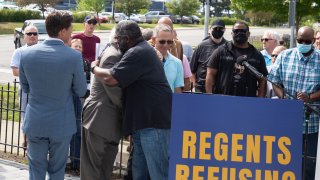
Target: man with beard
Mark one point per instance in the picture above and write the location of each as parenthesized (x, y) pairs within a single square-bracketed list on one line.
[(204, 50), (225, 76), (147, 101)]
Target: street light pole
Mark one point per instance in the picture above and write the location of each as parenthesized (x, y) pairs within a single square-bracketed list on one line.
[(292, 22), (206, 19)]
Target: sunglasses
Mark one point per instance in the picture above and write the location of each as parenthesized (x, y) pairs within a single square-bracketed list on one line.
[(239, 31), (266, 39), (165, 41), (274, 55), (304, 41), (218, 28), (32, 33), (92, 22)]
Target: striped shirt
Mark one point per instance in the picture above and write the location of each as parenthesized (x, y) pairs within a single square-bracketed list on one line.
[(298, 74)]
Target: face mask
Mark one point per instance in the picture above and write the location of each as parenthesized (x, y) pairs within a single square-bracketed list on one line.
[(304, 48), (240, 38), (217, 34)]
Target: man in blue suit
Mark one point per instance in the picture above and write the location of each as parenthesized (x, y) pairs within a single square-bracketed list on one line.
[(51, 73)]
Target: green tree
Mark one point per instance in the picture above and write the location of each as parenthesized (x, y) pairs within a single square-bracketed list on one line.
[(129, 7), (43, 4), (279, 8), (219, 6), (91, 5), (183, 7)]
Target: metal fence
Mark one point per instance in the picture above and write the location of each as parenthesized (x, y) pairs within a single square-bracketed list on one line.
[(11, 137)]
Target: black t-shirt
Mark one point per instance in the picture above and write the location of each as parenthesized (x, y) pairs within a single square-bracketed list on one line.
[(147, 94), (199, 60), (229, 79)]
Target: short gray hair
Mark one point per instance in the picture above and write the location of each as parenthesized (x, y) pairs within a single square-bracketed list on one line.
[(162, 27), (273, 35), (147, 34)]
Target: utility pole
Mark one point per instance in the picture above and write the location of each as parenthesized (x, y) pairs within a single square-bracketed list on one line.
[(292, 22), (206, 18)]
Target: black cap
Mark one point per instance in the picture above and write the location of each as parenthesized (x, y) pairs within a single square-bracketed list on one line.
[(90, 17), (218, 23)]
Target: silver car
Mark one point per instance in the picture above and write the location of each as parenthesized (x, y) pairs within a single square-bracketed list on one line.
[(19, 32)]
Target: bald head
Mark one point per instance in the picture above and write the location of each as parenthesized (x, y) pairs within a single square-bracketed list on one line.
[(31, 28), (30, 35), (166, 20), (305, 33)]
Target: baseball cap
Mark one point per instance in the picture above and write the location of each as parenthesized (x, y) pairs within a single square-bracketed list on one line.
[(218, 23), (89, 17)]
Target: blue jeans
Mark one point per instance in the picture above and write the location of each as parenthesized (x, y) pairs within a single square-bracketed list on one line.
[(75, 143), (38, 149), (151, 154)]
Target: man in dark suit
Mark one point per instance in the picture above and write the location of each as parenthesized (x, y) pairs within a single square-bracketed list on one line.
[(51, 72)]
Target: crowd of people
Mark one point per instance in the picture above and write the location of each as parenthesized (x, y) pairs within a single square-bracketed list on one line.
[(129, 92)]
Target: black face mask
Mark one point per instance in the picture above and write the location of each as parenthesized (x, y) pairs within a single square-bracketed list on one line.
[(240, 38), (217, 34)]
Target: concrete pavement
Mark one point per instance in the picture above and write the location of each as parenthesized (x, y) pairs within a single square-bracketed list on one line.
[(10, 170)]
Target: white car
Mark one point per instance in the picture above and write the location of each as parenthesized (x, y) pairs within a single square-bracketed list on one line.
[(119, 17), (138, 18)]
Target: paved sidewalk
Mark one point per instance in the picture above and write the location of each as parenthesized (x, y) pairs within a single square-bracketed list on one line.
[(10, 170)]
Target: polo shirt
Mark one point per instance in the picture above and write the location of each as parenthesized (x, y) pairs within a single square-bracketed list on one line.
[(174, 72)]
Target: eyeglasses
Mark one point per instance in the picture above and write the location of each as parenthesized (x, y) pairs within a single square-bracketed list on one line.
[(165, 41), (236, 31), (266, 39), (32, 33), (304, 41), (92, 22), (274, 55)]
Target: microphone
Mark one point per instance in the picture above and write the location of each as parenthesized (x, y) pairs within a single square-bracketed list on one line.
[(242, 60)]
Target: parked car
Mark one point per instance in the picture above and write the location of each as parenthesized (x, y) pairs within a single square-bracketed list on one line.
[(138, 18), (195, 19), (188, 19), (119, 17), (19, 32), (155, 16), (8, 6)]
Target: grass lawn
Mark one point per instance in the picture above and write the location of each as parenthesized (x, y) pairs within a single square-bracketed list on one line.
[(8, 27), (9, 102)]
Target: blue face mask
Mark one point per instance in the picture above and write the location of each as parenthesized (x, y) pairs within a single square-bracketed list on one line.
[(304, 48)]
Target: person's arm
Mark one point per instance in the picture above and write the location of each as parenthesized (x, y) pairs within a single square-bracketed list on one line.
[(180, 81), (186, 73), (278, 91), (194, 65), (104, 75), (15, 71), (262, 88), (15, 62), (210, 79), (178, 90), (305, 97)]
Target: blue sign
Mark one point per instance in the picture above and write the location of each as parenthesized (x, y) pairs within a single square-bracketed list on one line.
[(235, 138)]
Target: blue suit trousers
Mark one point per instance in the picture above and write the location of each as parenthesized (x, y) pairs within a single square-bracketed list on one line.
[(40, 162)]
